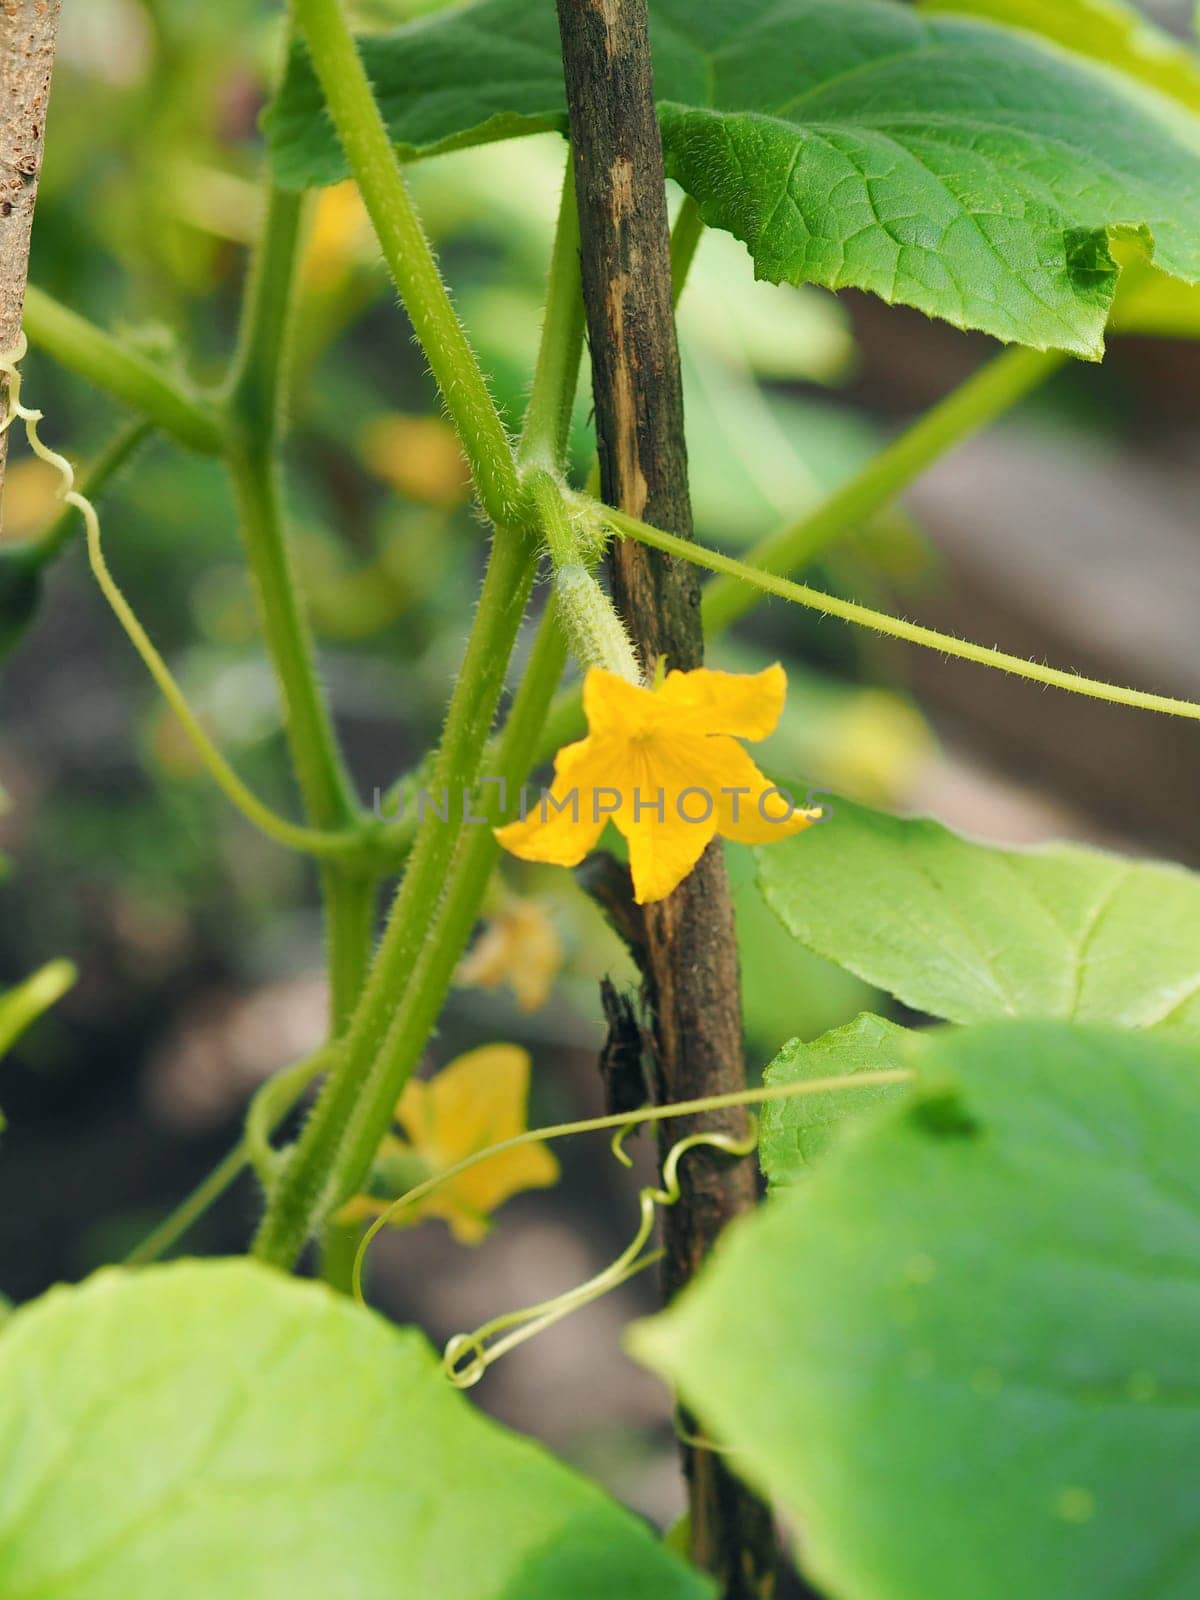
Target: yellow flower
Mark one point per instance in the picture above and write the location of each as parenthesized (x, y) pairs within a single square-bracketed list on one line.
[(341, 237), (519, 946), (477, 1100), (665, 765)]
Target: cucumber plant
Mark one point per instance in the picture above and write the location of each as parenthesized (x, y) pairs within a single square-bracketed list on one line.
[(953, 1352)]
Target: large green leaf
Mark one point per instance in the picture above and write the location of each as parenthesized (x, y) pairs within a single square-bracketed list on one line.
[(1105, 30), (217, 1431), (966, 169), (964, 1351), (971, 932), (795, 1132)]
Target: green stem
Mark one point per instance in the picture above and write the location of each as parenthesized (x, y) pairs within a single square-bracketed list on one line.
[(372, 160), (685, 237), (125, 374), (440, 895), (319, 772), (185, 1215), (258, 377), (326, 1164), (432, 974), (339, 1251), (545, 433), (254, 406), (983, 397), (271, 1103), (896, 627)]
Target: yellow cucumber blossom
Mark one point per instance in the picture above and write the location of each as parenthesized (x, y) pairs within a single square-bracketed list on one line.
[(479, 1099), (520, 946), (664, 764)]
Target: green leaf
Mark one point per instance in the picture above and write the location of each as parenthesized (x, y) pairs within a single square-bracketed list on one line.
[(1104, 30), (963, 1351), (216, 1431), (965, 169), (795, 1132), (22, 1006), (972, 932), (464, 76), (781, 993)]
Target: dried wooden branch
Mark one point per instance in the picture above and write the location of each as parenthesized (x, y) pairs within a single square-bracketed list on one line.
[(28, 34)]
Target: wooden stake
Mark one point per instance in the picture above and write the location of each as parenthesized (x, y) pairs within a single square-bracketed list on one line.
[(689, 960)]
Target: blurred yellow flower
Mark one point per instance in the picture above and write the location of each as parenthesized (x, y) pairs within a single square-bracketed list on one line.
[(341, 237), (420, 457), (664, 765), (478, 1100), (519, 946), (31, 497)]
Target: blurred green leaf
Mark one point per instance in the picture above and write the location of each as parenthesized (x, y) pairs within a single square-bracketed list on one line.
[(22, 1006), (1103, 30), (1157, 306), (945, 163), (795, 1132), (223, 1430), (971, 932), (962, 1352)]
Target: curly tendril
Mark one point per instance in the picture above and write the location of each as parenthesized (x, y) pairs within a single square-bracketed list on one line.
[(294, 836), (467, 1356)]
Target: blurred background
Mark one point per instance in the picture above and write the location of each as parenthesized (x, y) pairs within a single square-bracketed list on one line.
[(1067, 532)]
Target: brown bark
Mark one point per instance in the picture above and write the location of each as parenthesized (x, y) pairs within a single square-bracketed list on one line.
[(28, 32), (690, 956)]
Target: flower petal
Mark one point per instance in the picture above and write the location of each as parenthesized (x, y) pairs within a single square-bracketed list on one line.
[(751, 809), (613, 705), (477, 1100), (746, 705), (564, 836), (664, 849)]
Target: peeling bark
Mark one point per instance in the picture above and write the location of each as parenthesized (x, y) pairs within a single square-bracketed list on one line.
[(28, 33)]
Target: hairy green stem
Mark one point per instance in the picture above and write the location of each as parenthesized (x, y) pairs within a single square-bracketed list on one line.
[(545, 432), (983, 397), (432, 973), (446, 875), (325, 1167), (896, 627), (124, 373), (254, 405), (372, 160)]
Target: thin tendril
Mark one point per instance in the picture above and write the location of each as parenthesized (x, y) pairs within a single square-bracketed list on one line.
[(294, 836), (467, 1356), (271, 1103), (269, 1106), (622, 1123)]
